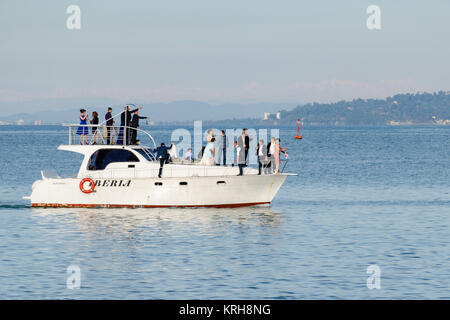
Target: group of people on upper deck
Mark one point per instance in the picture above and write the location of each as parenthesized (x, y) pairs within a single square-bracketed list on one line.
[(129, 123)]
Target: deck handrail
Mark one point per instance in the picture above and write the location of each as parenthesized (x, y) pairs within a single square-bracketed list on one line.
[(122, 129)]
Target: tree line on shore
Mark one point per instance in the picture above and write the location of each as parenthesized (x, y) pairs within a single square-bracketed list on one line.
[(419, 108)]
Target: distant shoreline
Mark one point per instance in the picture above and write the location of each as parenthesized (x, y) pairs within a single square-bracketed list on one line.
[(419, 109)]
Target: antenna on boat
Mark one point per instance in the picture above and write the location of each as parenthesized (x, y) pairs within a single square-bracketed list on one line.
[(299, 135)]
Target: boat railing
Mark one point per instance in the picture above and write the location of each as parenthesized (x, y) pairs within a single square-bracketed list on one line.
[(103, 133), (285, 163), (106, 135), (168, 171)]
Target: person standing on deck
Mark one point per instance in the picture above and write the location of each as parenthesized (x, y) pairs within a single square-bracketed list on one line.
[(261, 153), (109, 124), (278, 150), (94, 121), (135, 125), (240, 152), (125, 122), (188, 155), (208, 154), (270, 155), (247, 145), (83, 129), (222, 143)]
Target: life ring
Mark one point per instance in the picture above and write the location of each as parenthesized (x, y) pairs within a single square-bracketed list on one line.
[(82, 185)]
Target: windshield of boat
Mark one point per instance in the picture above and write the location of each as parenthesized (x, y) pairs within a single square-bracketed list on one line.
[(146, 153)]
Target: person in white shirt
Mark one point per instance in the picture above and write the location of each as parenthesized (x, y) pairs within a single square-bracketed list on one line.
[(188, 155), (270, 155), (240, 153)]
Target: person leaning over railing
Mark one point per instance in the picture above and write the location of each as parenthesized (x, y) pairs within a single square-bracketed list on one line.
[(135, 125), (125, 122)]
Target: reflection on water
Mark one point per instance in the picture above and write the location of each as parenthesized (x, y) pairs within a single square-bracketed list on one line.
[(145, 253), (167, 219)]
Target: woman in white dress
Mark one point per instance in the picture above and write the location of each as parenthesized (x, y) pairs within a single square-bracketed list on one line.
[(209, 154), (173, 151)]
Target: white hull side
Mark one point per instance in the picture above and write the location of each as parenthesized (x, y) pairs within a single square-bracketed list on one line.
[(142, 192)]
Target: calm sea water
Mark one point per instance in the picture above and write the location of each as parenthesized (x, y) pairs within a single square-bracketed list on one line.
[(363, 196)]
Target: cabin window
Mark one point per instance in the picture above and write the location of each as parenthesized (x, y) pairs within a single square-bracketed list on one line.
[(221, 182), (101, 158), (183, 183), (158, 183)]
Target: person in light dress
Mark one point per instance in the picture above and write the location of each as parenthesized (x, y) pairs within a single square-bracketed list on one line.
[(209, 154)]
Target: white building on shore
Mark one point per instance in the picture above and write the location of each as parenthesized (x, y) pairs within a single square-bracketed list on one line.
[(269, 116)]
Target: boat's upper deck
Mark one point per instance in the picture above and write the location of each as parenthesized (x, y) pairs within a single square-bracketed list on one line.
[(107, 135)]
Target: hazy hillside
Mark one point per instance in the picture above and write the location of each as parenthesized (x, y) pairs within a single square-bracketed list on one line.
[(420, 108), (178, 111)]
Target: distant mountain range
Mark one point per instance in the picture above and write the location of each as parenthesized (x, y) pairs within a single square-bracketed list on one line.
[(178, 111), (419, 108)]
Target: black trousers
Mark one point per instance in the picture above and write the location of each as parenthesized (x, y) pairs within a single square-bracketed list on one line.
[(260, 166), (241, 168), (128, 135), (161, 165), (108, 135), (224, 152), (133, 136), (125, 137)]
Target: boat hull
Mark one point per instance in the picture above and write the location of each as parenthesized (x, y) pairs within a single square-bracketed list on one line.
[(214, 191)]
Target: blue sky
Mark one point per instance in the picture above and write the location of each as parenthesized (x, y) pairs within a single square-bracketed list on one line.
[(222, 51)]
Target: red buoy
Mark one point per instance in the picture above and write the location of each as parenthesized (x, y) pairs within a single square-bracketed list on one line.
[(299, 135)]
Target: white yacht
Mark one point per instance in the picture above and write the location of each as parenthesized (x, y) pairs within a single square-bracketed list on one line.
[(127, 176)]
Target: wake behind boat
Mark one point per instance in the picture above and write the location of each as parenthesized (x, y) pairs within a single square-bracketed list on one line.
[(127, 176)]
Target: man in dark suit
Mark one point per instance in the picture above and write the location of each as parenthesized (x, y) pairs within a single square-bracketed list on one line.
[(109, 124), (125, 121), (162, 155), (135, 125), (247, 144)]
